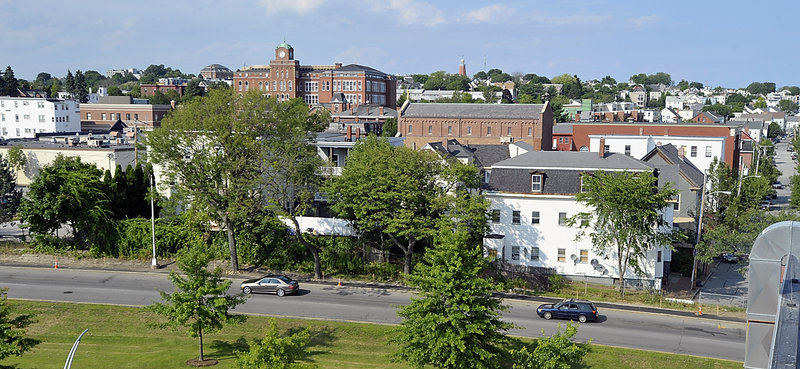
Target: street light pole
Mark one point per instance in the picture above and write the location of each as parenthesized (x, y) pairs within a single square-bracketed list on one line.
[(154, 262)]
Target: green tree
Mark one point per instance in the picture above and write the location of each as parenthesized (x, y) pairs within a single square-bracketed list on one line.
[(200, 301), (81, 91), (193, 89), (274, 351), (16, 157), (93, 78), (760, 103), (480, 75), (114, 91), (389, 128), (608, 80), (696, 85), (10, 196), (794, 90), (639, 79), (625, 221), (555, 352), (564, 79), (454, 322), (55, 87), (209, 149), (10, 83), (683, 85), (787, 105), (719, 109), (794, 198), (42, 80), (69, 84), (68, 191), (774, 130), (13, 339), (392, 191), (291, 165)]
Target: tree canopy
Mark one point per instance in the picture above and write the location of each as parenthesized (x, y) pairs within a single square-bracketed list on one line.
[(455, 321), (200, 301), (13, 338), (625, 221)]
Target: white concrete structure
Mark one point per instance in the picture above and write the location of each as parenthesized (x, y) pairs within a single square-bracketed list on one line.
[(701, 151), (23, 117)]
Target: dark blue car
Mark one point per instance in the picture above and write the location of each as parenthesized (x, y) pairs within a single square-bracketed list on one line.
[(579, 310)]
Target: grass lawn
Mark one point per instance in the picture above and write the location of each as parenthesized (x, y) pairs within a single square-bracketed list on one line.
[(119, 337)]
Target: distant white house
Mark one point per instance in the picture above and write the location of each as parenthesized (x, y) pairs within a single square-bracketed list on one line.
[(700, 150), (24, 117)]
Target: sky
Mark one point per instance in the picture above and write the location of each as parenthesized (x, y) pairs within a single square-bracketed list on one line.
[(719, 43)]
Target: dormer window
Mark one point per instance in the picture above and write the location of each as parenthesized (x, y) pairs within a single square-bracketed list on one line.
[(536, 183)]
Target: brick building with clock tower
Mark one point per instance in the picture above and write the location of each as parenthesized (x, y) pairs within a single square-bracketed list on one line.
[(335, 87)]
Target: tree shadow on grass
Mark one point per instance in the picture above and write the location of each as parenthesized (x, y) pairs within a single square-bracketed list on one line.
[(227, 350), (321, 340)]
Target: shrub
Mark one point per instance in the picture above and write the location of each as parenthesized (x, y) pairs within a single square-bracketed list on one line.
[(554, 352), (556, 282), (274, 351), (339, 255), (134, 237), (384, 270)]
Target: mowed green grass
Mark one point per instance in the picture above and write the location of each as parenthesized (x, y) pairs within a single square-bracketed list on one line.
[(120, 337)]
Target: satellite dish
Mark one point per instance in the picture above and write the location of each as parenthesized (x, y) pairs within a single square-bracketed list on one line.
[(573, 257), (605, 271), (594, 263)]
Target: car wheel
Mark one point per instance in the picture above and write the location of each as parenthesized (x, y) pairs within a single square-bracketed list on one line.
[(582, 318), (247, 290), (548, 315), (280, 292)]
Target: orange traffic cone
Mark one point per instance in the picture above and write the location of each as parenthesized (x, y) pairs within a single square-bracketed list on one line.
[(700, 310), (56, 266), (340, 282)]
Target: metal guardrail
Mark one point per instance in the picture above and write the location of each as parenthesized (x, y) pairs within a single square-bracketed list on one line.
[(707, 298)]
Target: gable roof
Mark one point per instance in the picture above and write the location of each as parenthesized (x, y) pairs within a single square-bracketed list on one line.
[(486, 111), (670, 154)]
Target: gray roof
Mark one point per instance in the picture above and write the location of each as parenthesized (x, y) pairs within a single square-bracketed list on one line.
[(561, 171), (358, 68), (488, 155), (562, 128), (486, 111), (218, 67), (685, 166), (574, 160), (793, 118)]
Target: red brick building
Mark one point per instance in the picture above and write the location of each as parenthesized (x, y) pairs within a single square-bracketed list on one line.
[(477, 124), (100, 117), (150, 89), (335, 87)]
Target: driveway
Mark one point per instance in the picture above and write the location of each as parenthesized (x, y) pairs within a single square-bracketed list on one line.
[(725, 286)]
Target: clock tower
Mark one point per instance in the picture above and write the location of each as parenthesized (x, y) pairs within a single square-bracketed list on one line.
[(284, 52)]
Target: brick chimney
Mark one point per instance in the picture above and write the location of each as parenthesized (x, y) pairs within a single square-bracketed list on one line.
[(380, 110), (349, 133), (681, 154), (444, 143), (338, 65), (602, 148), (358, 133)]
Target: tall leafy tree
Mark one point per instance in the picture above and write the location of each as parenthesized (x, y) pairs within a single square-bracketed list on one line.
[(10, 196), (454, 322), (389, 190), (625, 220), (68, 191), (69, 83), (200, 301), (81, 90), (10, 83), (291, 165), (13, 338), (389, 128), (210, 149)]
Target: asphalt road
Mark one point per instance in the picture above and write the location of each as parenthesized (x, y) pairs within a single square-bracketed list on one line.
[(659, 332)]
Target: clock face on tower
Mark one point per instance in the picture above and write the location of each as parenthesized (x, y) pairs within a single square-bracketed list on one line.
[(282, 53)]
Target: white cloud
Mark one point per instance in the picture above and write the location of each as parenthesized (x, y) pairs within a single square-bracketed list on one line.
[(643, 20), (292, 6), (412, 12), (492, 13)]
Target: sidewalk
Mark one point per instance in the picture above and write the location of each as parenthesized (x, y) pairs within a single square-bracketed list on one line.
[(166, 266)]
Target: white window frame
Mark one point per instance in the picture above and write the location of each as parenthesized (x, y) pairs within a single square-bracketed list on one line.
[(534, 187)]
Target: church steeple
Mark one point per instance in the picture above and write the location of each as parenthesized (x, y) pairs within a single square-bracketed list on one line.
[(462, 68)]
